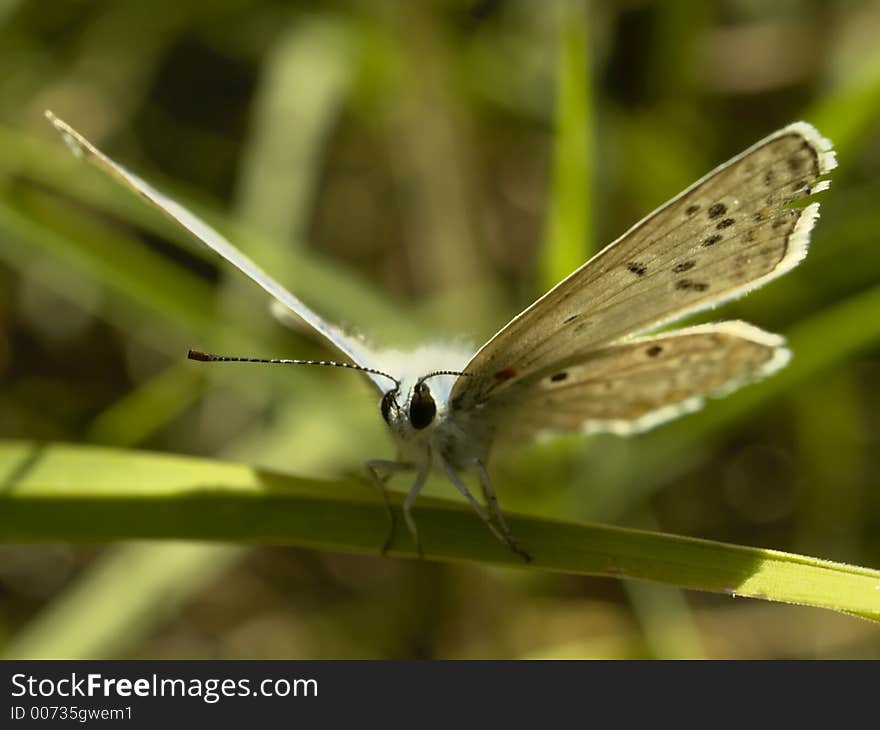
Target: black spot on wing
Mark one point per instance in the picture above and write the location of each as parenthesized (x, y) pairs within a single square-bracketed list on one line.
[(691, 209), (795, 163), (726, 223), (569, 320), (654, 350), (711, 240), (691, 285), (637, 268), (683, 266), (559, 377), (717, 209)]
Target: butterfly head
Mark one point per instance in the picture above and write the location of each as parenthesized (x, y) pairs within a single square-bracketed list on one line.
[(419, 407), (418, 410)]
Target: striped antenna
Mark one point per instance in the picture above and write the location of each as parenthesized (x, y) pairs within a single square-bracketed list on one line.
[(210, 357), (446, 372)]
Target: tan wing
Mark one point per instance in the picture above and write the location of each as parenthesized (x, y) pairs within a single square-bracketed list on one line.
[(728, 233), (636, 385)]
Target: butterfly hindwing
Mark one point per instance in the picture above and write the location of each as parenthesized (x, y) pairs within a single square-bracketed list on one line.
[(632, 386), (728, 233)]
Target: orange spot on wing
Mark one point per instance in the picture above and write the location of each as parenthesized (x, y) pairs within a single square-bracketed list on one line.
[(506, 374)]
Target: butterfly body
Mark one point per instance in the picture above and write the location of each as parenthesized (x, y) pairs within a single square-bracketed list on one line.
[(429, 431), (417, 410), (425, 428), (576, 358)]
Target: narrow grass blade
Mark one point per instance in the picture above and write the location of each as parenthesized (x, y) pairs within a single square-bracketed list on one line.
[(78, 494), (569, 228)]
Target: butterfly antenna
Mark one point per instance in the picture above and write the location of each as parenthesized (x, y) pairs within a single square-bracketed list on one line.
[(446, 372), (210, 357)]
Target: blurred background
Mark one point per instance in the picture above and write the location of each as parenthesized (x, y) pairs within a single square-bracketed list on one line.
[(418, 171)]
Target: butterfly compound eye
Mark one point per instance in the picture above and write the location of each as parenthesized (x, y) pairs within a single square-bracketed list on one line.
[(387, 402), (422, 408)]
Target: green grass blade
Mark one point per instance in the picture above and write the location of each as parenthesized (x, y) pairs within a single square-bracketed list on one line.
[(569, 230), (117, 261), (77, 494), (304, 87)]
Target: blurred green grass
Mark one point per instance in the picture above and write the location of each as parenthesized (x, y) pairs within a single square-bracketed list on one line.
[(417, 194)]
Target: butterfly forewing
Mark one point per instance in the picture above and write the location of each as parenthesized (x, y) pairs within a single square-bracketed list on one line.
[(347, 346), (635, 385), (727, 234)]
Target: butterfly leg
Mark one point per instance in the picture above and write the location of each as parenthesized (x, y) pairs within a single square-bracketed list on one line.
[(380, 470), (495, 510), (414, 490), (504, 536)]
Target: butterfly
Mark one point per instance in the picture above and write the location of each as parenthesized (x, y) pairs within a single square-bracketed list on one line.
[(577, 359)]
